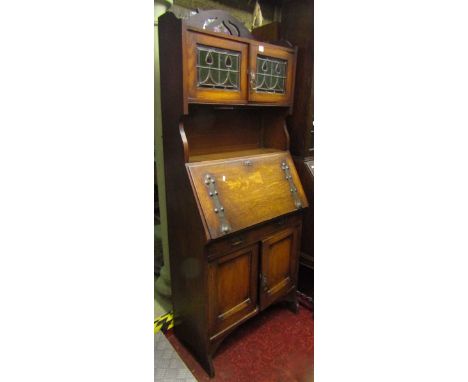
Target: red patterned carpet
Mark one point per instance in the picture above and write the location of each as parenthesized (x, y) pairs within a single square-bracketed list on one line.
[(275, 346)]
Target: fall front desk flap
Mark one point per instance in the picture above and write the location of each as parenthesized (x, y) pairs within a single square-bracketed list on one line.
[(239, 193)]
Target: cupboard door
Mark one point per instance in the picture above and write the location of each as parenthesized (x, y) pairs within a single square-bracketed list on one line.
[(279, 261), (215, 69), (271, 74), (232, 288)]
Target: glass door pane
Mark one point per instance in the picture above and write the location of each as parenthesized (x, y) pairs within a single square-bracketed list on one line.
[(217, 68), (271, 75)]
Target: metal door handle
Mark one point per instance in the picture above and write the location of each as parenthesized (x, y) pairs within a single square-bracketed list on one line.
[(264, 282), (252, 80)]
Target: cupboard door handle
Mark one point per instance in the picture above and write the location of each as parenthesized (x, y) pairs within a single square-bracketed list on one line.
[(264, 283), (252, 80)]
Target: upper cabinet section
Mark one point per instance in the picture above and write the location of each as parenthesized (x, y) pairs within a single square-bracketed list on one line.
[(220, 63), (229, 70)]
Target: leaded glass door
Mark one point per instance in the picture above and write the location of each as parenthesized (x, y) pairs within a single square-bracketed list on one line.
[(216, 69), (271, 75)]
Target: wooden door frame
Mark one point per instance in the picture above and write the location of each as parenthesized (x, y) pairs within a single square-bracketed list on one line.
[(257, 48), (269, 295), (220, 321)]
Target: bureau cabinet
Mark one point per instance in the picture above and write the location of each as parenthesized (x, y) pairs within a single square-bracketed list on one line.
[(234, 198)]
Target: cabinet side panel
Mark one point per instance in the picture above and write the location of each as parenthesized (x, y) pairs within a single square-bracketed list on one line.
[(297, 27), (185, 227), (307, 179)]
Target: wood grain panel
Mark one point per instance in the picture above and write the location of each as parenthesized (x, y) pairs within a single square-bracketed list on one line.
[(233, 130), (232, 287), (278, 265), (230, 130), (248, 237), (279, 261), (233, 283), (252, 190)]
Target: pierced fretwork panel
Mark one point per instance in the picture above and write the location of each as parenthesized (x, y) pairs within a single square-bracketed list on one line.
[(271, 75), (217, 68)]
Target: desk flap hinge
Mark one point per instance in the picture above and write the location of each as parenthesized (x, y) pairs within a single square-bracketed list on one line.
[(218, 208)]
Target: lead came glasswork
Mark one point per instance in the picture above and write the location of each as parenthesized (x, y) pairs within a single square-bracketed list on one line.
[(217, 68), (271, 75)]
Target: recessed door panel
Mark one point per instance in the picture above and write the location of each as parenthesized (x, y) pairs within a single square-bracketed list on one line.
[(278, 265)]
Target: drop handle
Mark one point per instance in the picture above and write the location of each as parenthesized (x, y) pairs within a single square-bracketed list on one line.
[(280, 222), (237, 241)]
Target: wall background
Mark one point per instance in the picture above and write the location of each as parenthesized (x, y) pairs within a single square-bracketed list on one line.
[(241, 9)]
